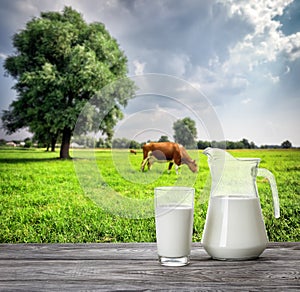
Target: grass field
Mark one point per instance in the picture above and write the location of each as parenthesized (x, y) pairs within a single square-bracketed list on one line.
[(44, 199)]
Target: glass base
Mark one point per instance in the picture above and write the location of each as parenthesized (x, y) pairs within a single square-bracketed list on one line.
[(174, 262)]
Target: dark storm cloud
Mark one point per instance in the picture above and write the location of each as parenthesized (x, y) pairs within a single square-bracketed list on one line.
[(198, 29)]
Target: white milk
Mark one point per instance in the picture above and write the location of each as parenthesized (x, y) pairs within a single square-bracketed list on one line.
[(234, 228), (174, 227)]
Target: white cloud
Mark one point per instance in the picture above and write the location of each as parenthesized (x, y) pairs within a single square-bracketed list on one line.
[(178, 64), (266, 42), (273, 79), (292, 46), (3, 56), (138, 67), (257, 60), (246, 100)]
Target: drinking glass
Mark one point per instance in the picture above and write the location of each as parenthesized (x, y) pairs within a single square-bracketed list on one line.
[(174, 208)]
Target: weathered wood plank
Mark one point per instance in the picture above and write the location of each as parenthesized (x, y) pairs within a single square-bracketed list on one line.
[(134, 267), (133, 274), (118, 250), (77, 251)]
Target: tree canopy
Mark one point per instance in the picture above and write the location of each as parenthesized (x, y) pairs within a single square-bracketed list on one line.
[(163, 138), (185, 132), (61, 62), (286, 144)]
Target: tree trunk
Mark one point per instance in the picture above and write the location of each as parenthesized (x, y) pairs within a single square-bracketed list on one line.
[(65, 144), (53, 142)]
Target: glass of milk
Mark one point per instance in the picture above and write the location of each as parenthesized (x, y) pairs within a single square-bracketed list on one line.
[(174, 208)]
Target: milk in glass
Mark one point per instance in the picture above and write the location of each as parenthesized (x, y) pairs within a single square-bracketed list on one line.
[(174, 227)]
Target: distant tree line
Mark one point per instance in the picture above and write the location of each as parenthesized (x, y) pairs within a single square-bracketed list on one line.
[(243, 144), (185, 133), (124, 143)]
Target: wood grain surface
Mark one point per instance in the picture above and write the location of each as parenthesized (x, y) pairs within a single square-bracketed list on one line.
[(134, 266)]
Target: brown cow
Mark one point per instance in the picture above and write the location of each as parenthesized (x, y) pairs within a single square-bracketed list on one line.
[(167, 152)]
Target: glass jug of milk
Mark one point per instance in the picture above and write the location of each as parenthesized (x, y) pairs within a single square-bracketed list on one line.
[(234, 227)]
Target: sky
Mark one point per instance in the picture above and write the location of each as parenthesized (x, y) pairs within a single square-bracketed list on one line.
[(238, 60)]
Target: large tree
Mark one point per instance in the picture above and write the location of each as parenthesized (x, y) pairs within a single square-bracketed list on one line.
[(185, 132), (61, 62)]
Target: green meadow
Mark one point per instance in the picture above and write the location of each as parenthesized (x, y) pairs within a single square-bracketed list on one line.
[(46, 200)]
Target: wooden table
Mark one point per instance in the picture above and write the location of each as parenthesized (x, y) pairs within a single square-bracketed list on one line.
[(134, 266)]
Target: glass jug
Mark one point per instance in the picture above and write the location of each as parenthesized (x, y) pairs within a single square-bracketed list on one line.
[(234, 227)]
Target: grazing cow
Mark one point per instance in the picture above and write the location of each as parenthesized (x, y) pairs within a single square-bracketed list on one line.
[(132, 151), (167, 152)]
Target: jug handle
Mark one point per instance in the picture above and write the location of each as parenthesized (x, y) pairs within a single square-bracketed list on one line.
[(269, 175)]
